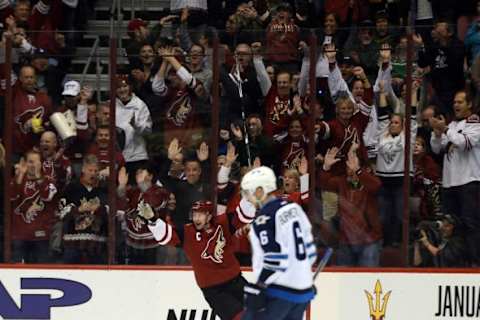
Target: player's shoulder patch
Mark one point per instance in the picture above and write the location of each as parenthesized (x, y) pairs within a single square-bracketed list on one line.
[(474, 118), (262, 219)]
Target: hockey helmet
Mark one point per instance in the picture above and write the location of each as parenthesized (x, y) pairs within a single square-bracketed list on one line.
[(261, 177)]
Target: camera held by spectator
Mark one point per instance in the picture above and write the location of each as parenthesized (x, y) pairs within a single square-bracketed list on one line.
[(438, 243)]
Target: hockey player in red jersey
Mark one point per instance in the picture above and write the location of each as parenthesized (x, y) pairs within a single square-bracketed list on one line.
[(209, 242)]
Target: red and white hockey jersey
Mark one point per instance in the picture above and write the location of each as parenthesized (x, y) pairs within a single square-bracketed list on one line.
[(211, 252), (138, 235), (32, 217)]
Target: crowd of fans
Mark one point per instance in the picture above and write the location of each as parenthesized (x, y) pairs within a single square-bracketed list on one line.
[(163, 117)]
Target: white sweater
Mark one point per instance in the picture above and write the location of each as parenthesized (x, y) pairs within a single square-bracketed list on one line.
[(462, 152), (391, 150), (135, 147)]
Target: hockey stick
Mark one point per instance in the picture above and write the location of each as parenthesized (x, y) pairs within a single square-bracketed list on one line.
[(321, 265)]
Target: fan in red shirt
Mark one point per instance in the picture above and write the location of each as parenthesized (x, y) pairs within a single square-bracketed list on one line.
[(281, 105), (140, 241), (209, 243), (31, 109), (55, 164), (43, 20), (282, 39), (360, 230), (347, 128), (100, 149), (427, 180), (185, 98), (292, 147), (32, 218)]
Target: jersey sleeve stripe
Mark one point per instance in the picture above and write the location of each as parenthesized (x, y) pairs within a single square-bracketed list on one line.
[(275, 256), (272, 268), (245, 211), (273, 263), (161, 231), (167, 237)]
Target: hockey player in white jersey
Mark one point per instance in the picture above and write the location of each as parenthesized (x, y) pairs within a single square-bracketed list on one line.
[(283, 252)]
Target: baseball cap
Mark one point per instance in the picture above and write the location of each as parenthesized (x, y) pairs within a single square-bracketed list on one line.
[(71, 88), (136, 24)]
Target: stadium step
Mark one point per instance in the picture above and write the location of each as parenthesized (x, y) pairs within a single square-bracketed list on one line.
[(136, 5), (83, 53), (99, 28), (103, 80)]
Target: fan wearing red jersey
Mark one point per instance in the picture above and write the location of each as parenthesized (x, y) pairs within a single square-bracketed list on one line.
[(31, 111), (55, 164), (209, 243), (32, 217), (99, 148), (185, 99), (139, 240)]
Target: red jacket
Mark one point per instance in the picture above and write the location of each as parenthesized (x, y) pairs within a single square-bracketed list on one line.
[(357, 207), (25, 106)]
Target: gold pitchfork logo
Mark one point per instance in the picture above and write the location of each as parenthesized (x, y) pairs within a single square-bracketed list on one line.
[(377, 312)]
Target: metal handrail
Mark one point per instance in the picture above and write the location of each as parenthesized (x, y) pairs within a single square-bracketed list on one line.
[(98, 70), (112, 14), (119, 22), (93, 51)]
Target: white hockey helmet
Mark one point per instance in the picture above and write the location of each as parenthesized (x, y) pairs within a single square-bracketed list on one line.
[(261, 177)]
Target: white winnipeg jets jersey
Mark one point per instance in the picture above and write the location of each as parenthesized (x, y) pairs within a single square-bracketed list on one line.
[(283, 250)]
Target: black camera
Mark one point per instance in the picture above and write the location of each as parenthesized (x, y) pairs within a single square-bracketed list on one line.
[(167, 42), (431, 229)]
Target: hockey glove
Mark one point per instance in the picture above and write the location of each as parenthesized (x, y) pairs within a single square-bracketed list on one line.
[(145, 211), (255, 297)]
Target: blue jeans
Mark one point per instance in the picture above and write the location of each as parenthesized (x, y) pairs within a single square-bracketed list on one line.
[(277, 309), (367, 255)]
